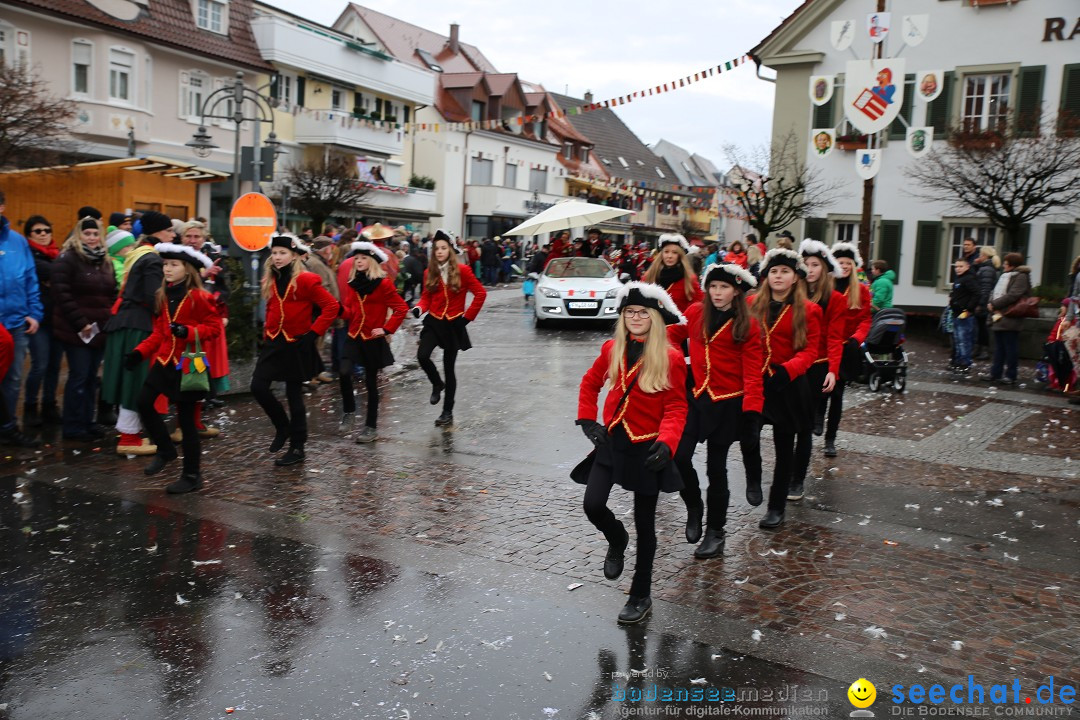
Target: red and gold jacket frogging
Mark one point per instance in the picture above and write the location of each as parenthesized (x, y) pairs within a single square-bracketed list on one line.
[(290, 314), (444, 304), (834, 323), (198, 312), (720, 366), (677, 291), (857, 320), (381, 308), (778, 346)]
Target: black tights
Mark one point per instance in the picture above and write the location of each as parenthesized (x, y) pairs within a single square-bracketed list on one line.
[(159, 435), (784, 445), (835, 402), (348, 399), (294, 393), (596, 496), (428, 343), (718, 494)]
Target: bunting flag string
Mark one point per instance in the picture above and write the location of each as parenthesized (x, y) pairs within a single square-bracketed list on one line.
[(346, 119)]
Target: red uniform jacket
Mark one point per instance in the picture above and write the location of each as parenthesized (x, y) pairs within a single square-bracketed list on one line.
[(644, 416), (446, 305), (677, 291), (857, 322), (778, 348), (831, 346), (198, 312), (367, 313), (290, 315), (720, 366)]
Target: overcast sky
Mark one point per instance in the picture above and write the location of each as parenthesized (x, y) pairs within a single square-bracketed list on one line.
[(615, 48)]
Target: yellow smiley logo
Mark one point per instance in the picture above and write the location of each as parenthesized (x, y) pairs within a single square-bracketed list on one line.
[(862, 693)]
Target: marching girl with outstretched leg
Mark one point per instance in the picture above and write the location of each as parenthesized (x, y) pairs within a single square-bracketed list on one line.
[(821, 268), (292, 297), (373, 311), (186, 316), (725, 398), (672, 271), (791, 327), (446, 283), (643, 420), (856, 327)]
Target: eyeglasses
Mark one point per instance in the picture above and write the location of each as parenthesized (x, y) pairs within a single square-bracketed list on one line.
[(628, 313), (41, 231)]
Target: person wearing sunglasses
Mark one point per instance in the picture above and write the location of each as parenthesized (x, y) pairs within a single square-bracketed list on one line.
[(45, 350)]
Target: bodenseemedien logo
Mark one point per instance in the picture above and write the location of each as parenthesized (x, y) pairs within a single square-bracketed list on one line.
[(861, 694)]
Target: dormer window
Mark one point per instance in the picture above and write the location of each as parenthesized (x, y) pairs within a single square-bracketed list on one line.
[(429, 60), (568, 151), (212, 15)]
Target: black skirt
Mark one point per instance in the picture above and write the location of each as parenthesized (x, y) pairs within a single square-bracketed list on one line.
[(719, 421), (448, 334), (165, 380), (815, 378), (373, 354), (791, 408), (851, 362), (625, 460), (284, 361)]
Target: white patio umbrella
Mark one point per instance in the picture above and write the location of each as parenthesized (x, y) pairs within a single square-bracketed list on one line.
[(567, 214)]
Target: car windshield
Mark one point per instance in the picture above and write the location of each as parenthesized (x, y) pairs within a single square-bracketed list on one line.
[(579, 268)]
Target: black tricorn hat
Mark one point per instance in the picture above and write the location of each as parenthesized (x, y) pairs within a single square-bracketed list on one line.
[(651, 296)]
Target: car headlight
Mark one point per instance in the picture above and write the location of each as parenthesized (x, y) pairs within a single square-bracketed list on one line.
[(613, 292), (549, 292)]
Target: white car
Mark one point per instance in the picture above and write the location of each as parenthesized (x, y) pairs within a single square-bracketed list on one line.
[(577, 289)]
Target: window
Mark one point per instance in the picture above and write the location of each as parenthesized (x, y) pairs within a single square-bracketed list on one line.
[(193, 93), (510, 178), (81, 55), (337, 99), (568, 151), (847, 232), (538, 180), (658, 172), (983, 235), (986, 102), (622, 161), (121, 68), (477, 111), (584, 157), (210, 15), (481, 171)]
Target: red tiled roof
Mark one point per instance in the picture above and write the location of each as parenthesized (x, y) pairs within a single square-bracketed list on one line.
[(402, 40), (500, 84), (460, 80), (171, 23)]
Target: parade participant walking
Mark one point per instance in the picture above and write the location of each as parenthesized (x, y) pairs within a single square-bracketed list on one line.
[(83, 290), (857, 314), (673, 272), (643, 420), (446, 283), (792, 327), (373, 310), (185, 317), (821, 270), (293, 297), (725, 399), (130, 324), (46, 352)]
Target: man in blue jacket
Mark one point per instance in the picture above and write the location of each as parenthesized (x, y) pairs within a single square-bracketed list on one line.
[(21, 311)]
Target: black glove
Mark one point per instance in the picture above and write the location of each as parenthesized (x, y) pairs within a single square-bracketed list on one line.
[(852, 344), (750, 428), (659, 456), (178, 330), (310, 336), (133, 360), (594, 431), (416, 312), (779, 379)]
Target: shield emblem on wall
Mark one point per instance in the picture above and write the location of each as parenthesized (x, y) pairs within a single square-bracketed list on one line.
[(867, 163), (843, 33), (919, 140), (914, 29), (873, 93), (877, 26), (928, 84), (822, 141), (821, 89)]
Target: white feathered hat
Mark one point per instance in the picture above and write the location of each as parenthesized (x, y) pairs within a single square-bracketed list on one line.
[(362, 247), (815, 248), (172, 251), (673, 239), (735, 275), (847, 250), (650, 296), (785, 257)]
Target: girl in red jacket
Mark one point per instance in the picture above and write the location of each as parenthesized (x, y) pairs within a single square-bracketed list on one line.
[(792, 327), (726, 397), (373, 311), (292, 296), (644, 417), (856, 326), (672, 271), (184, 313), (446, 283), (821, 269)]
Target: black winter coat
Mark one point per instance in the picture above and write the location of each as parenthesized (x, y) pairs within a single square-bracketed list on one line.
[(988, 276), (138, 299), (489, 254), (965, 293), (43, 265), (83, 292)]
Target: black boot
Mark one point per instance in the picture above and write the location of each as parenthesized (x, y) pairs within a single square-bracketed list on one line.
[(447, 418), (17, 439), (106, 415), (30, 415), (712, 545), (694, 513), (616, 554), (294, 455), (157, 464), (773, 519), (188, 482), (279, 439), (635, 610), (819, 425), (830, 446), (50, 414), (753, 492), (795, 490), (436, 393)]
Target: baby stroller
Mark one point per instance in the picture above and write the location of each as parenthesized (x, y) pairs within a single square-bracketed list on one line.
[(884, 359)]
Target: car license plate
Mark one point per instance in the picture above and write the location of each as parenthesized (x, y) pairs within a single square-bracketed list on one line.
[(582, 306)]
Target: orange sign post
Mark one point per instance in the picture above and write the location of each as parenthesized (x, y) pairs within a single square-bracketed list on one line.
[(253, 221)]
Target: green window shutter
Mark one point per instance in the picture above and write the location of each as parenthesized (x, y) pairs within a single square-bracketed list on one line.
[(937, 112), (927, 250), (1069, 112), (405, 113), (897, 129), (814, 228), (892, 233), (1022, 242), (1057, 254), (358, 103), (1029, 97), (300, 85), (823, 114)]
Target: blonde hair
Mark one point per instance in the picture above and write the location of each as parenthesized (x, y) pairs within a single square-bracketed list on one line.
[(193, 225), (453, 272), (853, 293), (74, 240), (653, 376), (653, 273), (374, 269), (988, 251), (797, 295), (753, 254), (823, 288), (268, 278)]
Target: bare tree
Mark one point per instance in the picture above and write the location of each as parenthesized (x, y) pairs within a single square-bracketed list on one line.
[(34, 124), (1007, 179), (778, 187), (323, 187)]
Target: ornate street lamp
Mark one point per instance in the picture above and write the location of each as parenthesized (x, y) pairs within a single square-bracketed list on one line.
[(201, 143)]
